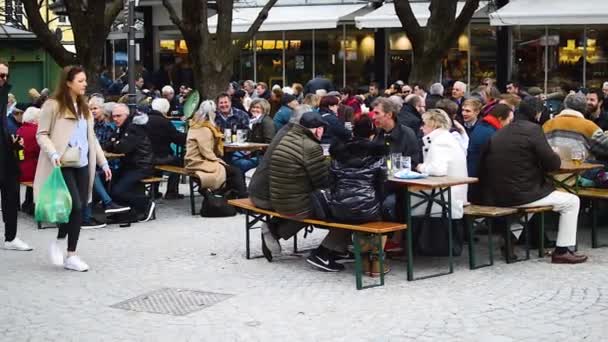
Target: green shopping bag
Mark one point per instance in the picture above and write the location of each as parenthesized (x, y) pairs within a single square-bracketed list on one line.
[(54, 203)]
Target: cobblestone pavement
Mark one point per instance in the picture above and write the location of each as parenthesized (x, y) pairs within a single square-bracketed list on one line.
[(285, 300)]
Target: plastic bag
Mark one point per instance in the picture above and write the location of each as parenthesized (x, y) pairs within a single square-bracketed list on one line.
[(54, 203)]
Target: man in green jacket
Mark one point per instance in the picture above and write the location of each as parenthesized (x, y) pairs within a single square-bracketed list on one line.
[(297, 169)]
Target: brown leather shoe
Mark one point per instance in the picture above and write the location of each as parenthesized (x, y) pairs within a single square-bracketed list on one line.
[(568, 258)]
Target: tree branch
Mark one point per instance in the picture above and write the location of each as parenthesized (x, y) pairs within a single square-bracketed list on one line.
[(173, 15), (111, 12), (409, 22), (461, 22), (253, 29), (47, 39)]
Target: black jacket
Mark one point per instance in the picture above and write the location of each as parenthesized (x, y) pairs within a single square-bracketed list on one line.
[(514, 164), (431, 101), (335, 131), (410, 117), (132, 140), (318, 83), (401, 139), (357, 175), (8, 162), (162, 133)]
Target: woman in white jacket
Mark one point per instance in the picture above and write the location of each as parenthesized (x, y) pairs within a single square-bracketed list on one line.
[(443, 155)]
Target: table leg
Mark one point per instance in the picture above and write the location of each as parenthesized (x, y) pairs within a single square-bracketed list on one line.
[(409, 237)]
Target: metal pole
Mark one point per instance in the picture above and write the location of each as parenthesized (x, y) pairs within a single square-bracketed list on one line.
[(546, 58), (255, 60), (343, 56), (585, 57), (314, 57), (131, 55), (469, 58), (113, 60), (283, 37)]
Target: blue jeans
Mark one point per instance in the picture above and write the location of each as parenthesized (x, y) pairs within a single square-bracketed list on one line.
[(100, 190), (243, 162)]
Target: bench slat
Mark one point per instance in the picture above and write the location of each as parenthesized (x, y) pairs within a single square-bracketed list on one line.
[(152, 180), (593, 193), (534, 210), (379, 227), (172, 169), (487, 211)]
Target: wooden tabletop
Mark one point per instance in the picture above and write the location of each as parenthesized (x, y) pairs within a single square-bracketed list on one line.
[(110, 155), (568, 166), (245, 147), (434, 182)]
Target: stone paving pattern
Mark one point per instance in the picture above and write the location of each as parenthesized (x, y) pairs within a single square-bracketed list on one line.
[(285, 300)]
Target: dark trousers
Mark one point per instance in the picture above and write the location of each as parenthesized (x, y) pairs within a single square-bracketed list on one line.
[(77, 180), (9, 194), (125, 189), (173, 181), (235, 180)]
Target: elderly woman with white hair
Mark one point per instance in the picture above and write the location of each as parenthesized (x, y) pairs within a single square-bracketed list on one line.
[(204, 152), (29, 159)]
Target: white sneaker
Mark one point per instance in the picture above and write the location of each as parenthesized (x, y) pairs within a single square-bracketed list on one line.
[(75, 264), (17, 245), (271, 241), (56, 254)]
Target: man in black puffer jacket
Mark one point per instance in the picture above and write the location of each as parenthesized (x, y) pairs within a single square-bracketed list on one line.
[(162, 134), (131, 139), (357, 175)]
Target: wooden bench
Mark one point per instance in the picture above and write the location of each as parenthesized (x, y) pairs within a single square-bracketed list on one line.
[(488, 214), (375, 229), (595, 195), (191, 183), (525, 212)]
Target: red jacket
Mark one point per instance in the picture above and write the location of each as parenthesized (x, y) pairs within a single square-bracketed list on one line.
[(31, 150), (353, 102)]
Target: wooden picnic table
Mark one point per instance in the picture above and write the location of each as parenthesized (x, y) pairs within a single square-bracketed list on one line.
[(439, 190), (245, 147), (568, 172)]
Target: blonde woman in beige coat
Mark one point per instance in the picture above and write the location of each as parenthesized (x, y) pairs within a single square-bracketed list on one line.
[(205, 148), (66, 124), (204, 152)]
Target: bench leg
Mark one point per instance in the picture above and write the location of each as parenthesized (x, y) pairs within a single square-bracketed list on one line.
[(295, 244), (247, 238), (507, 244), (381, 255), (358, 261), (527, 230), (541, 237), (468, 221), (192, 205), (594, 223), (490, 222)]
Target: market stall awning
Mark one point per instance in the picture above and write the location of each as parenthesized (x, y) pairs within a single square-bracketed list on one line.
[(386, 17), (289, 18), (551, 12), (9, 32)]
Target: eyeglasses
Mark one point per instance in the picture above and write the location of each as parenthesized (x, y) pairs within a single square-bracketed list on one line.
[(4, 76), (485, 84)]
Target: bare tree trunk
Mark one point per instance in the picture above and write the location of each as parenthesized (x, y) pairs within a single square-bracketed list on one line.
[(432, 43), (212, 56), (91, 22)]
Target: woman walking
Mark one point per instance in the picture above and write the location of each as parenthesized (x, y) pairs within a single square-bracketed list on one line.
[(66, 136)]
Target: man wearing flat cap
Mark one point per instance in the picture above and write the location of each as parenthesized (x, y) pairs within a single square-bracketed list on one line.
[(298, 168)]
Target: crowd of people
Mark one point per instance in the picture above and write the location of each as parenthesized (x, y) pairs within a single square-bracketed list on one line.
[(328, 153)]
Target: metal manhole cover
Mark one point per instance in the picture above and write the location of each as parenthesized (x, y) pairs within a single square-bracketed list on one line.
[(171, 301)]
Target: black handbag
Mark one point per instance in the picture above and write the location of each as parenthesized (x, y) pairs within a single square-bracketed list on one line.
[(432, 235), (216, 205)]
